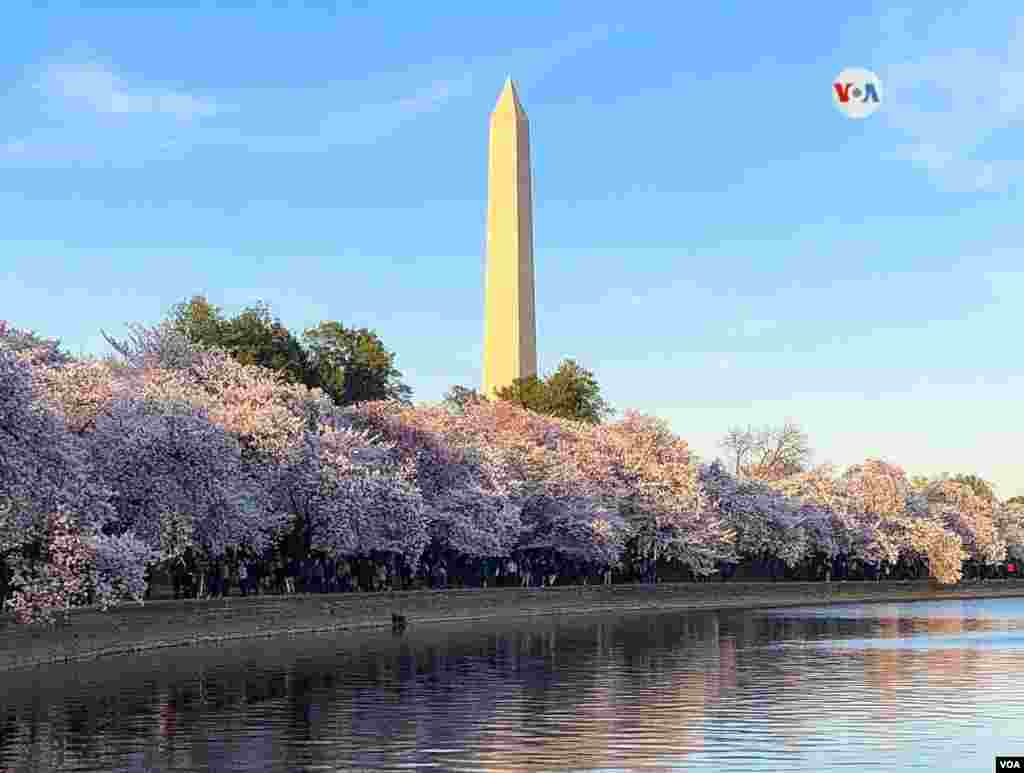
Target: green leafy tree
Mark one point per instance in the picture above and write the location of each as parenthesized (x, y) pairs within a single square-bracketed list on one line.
[(571, 392), (529, 392), (200, 320), (458, 397), (252, 337), (352, 365)]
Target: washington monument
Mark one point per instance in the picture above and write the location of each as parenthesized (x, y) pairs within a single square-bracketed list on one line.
[(510, 326)]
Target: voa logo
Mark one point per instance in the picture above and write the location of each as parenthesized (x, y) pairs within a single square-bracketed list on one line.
[(857, 92)]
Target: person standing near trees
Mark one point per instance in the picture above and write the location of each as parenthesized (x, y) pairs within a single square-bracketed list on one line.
[(270, 578), (188, 577), (148, 577), (406, 576), (213, 581), (243, 578), (5, 582), (344, 575), (178, 574), (280, 583), (209, 583), (199, 577), (510, 573), (253, 570), (365, 574), (318, 576), (330, 575), (289, 580), (540, 570)]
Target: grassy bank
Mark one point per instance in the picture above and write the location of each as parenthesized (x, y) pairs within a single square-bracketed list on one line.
[(168, 623)]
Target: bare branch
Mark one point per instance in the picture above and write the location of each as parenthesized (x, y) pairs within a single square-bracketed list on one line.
[(769, 453)]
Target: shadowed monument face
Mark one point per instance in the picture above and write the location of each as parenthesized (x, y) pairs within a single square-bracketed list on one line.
[(510, 334)]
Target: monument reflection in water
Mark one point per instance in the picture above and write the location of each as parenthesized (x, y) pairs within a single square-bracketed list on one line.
[(877, 687)]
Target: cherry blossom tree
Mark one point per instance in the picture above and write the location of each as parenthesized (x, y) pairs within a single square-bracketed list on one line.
[(166, 458), (108, 467), (879, 493), (350, 495), (472, 495), (162, 346), (50, 507), (119, 568), (969, 514), (1009, 522), (30, 346), (942, 548), (41, 462), (128, 471), (582, 490), (832, 528), (57, 582), (369, 509), (764, 523), (844, 524), (285, 430), (267, 414), (79, 392), (654, 478)]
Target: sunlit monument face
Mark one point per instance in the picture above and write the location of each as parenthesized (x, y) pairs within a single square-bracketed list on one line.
[(510, 334)]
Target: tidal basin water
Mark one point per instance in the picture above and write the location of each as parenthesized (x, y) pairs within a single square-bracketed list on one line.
[(881, 687)]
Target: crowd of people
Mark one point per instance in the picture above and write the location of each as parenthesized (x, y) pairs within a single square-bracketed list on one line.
[(193, 575)]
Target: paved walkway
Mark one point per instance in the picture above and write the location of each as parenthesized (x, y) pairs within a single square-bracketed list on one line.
[(168, 623)]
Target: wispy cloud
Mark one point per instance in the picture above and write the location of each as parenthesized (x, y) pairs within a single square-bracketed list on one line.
[(948, 104), (98, 88), (370, 122), (293, 120), (436, 95)]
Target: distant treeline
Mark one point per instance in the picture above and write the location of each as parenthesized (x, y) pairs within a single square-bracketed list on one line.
[(218, 437)]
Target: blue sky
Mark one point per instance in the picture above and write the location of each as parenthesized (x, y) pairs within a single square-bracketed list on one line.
[(712, 237)]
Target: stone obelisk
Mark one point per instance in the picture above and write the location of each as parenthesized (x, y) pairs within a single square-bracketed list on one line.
[(510, 328)]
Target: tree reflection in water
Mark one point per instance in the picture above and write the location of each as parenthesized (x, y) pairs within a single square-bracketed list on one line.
[(763, 689)]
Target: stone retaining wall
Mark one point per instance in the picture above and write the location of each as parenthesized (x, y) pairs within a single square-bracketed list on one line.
[(134, 627)]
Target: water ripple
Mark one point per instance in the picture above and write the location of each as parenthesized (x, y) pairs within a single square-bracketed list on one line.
[(882, 686)]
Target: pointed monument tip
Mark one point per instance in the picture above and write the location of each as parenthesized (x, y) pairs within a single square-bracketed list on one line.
[(509, 97)]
